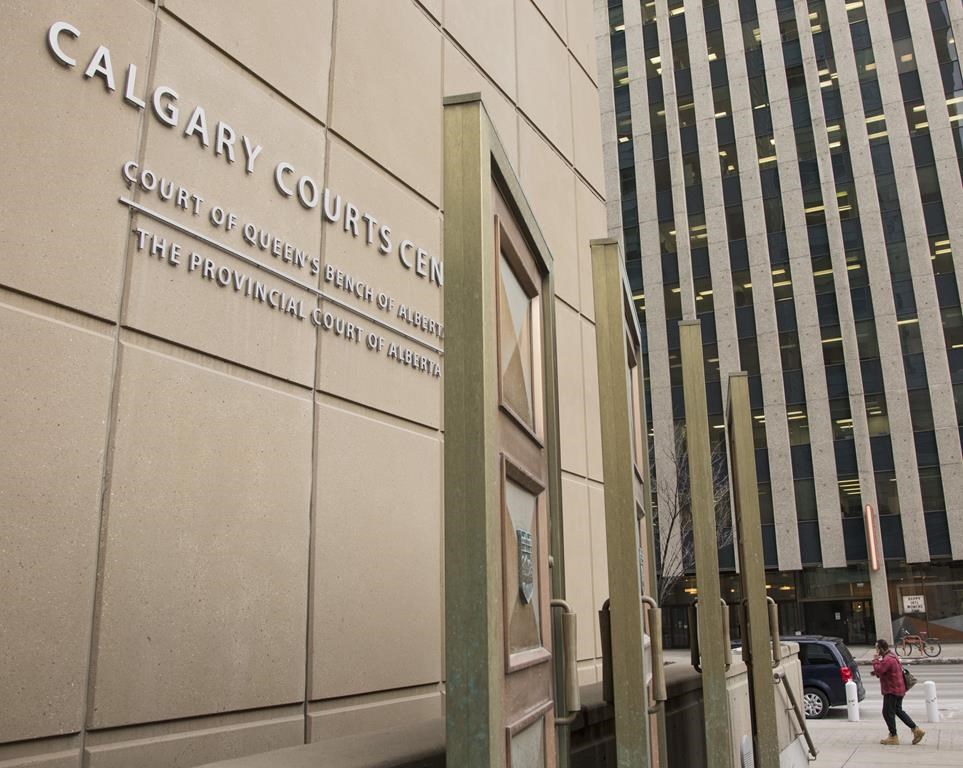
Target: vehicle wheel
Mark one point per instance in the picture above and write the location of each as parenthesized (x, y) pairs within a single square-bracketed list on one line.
[(932, 648), (904, 649), (815, 704)]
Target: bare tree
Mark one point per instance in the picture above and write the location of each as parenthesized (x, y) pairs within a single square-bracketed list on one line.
[(675, 511)]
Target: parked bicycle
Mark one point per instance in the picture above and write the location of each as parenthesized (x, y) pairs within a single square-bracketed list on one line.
[(927, 646)]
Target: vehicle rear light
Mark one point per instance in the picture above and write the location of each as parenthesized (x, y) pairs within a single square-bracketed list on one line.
[(845, 674)]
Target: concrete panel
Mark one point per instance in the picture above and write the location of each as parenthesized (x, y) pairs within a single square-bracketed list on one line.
[(600, 560), (550, 188), (462, 76), (391, 53), (581, 35), (55, 384), (71, 142), (543, 78), (590, 218), (374, 712), (571, 391), (63, 752), (579, 585), (593, 419), (193, 742), (217, 310), (203, 585), (554, 11), (349, 368), (586, 127), (377, 545), (487, 32), (290, 50)]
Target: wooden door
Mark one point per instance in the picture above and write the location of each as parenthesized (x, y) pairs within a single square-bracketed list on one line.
[(528, 703)]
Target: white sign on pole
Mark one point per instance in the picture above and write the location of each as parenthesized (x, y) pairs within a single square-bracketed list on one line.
[(914, 604)]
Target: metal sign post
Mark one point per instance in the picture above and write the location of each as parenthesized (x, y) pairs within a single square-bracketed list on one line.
[(621, 524), (711, 620), (758, 638)]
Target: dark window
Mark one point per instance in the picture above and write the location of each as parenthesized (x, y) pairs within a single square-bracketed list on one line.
[(872, 96), (899, 25), (882, 157), (911, 87), (832, 105), (769, 178), (915, 371), (882, 449), (786, 316), (805, 493), (872, 376), (845, 457), (802, 461), (745, 322), (794, 387), (754, 63), (862, 303), (922, 149), (836, 381), (860, 34), (938, 534), (926, 451), (935, 218)]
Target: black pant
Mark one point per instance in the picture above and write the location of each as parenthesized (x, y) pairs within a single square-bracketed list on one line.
[(893, 708)]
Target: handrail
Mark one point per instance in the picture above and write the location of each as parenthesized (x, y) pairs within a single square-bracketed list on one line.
[(655, 636), (694, 649), (774, 631), (570, 662), (779, 676)]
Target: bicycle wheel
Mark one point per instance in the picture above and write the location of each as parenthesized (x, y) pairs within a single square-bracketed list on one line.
[(932, 648), (904, 649)]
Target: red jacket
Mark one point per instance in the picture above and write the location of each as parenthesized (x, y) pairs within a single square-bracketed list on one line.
[(890, 673)]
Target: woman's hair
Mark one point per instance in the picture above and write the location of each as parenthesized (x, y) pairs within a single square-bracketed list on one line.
[(882, 645)]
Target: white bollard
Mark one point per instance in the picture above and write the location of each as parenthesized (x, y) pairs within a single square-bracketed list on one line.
[(932, 705), (852, 701)]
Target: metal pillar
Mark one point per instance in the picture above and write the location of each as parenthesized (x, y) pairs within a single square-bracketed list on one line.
[(711, 620), (621, 523), (756, 643)]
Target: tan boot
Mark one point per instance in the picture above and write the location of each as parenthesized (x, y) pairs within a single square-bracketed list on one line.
[(918, 734), (890, 741)]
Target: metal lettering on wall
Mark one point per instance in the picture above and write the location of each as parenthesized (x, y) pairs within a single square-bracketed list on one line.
[(243, 272)]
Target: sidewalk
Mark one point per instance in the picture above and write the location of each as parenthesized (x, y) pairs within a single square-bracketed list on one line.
[(842, 744)]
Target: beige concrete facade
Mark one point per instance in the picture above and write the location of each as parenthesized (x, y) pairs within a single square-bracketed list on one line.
[(220, 488)]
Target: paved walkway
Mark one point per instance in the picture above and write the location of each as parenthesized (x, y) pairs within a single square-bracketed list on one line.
[(843, 744)]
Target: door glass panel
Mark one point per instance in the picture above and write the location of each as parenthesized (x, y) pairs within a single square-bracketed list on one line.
[(515, 342), (522, 568), (528, 746)]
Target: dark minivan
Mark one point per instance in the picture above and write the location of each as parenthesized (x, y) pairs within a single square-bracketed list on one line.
[(827, 665)]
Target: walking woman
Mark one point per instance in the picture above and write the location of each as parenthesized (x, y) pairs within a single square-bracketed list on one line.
[(890, 673)]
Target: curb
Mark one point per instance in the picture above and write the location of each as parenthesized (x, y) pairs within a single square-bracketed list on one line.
[(948, 660)]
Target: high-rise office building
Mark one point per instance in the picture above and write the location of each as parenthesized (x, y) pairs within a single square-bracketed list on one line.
[(789, 173)]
